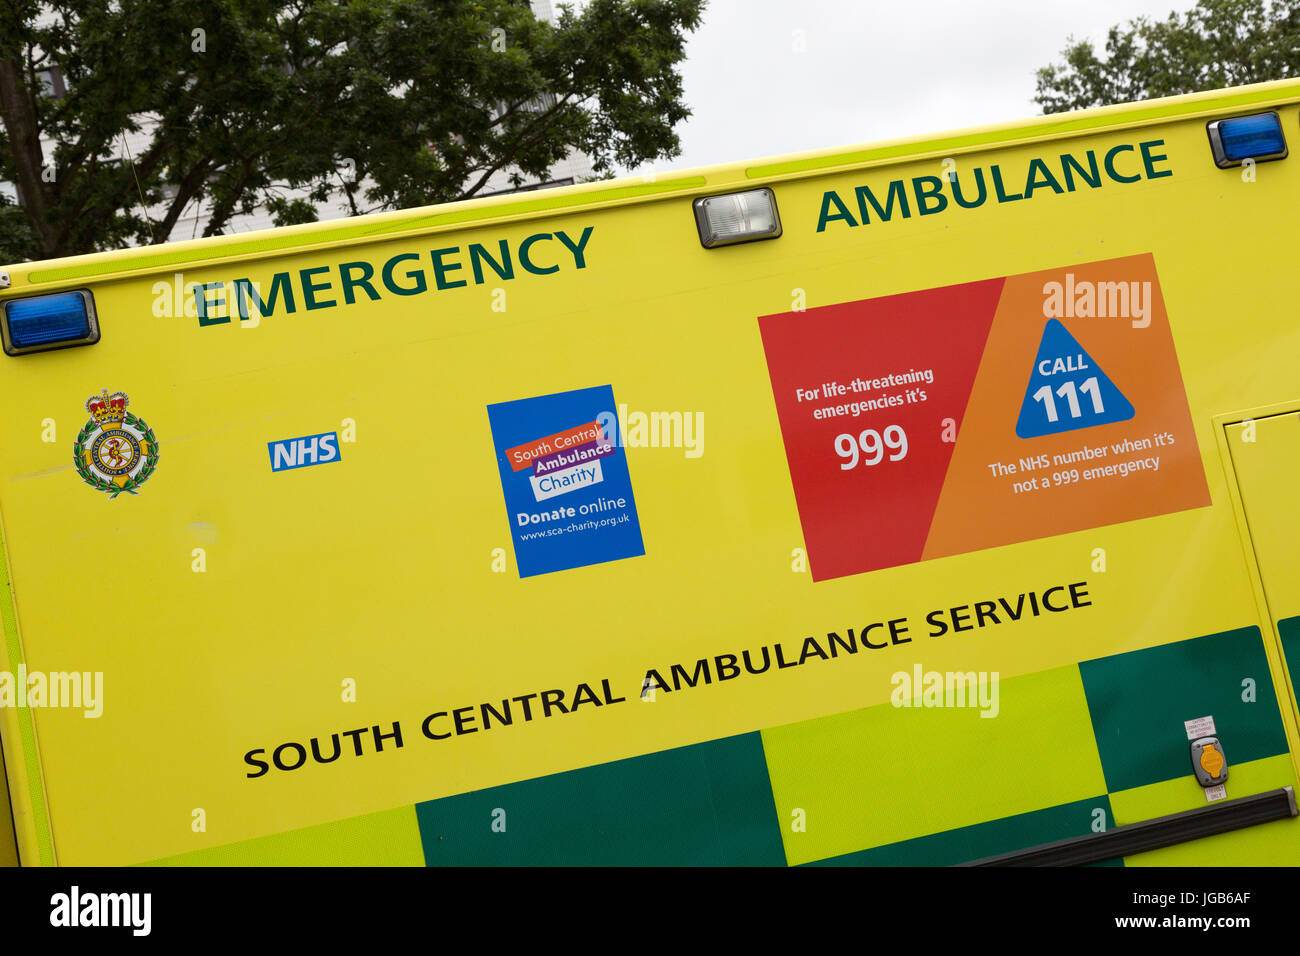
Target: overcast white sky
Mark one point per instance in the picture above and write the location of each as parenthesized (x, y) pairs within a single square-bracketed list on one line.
[(872, 70)]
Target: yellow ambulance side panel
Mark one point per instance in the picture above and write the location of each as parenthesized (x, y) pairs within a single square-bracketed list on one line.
[(232, 609)]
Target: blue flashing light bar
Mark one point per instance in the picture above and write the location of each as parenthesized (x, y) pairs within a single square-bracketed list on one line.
[(1257, 138), (44, 322)]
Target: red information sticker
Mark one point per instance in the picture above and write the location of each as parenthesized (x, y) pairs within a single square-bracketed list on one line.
[(955, 419)]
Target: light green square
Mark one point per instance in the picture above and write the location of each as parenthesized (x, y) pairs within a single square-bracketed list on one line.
[(885, 774), (1268, 844), (388, 838)]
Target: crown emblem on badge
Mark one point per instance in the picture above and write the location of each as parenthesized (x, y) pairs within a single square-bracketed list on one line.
[(108, 409), (115, 451)]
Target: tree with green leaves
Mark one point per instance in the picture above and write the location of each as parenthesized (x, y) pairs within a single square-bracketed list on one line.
[(386, 104), (1216, 44)]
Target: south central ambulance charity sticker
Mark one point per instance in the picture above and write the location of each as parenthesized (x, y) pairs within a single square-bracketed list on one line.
[(565, 478), (115, 451)]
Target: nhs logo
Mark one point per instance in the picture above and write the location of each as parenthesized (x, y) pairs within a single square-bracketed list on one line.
[(300, 452)]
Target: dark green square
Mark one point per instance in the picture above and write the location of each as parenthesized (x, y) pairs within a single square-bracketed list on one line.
[(707, 804), (1139, 700), (1289, 630)]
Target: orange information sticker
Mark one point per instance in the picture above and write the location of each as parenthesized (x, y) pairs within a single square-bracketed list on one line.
[(1011, 483), (951, 420)]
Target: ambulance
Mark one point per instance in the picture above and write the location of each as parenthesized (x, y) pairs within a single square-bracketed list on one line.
[(928, 502)]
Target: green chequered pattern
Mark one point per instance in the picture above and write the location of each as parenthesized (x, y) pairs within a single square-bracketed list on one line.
[(389, 838), (898, 786), (704, 805), (1139, 701), (993, 838), (1069, 749)]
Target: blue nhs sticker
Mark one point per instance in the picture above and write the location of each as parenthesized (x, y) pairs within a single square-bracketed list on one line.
[(300, 452)]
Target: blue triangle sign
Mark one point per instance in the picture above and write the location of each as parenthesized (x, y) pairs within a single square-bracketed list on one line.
[(1067, 390)]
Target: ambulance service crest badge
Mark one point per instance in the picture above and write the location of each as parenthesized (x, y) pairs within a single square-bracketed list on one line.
[(115, 451)]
